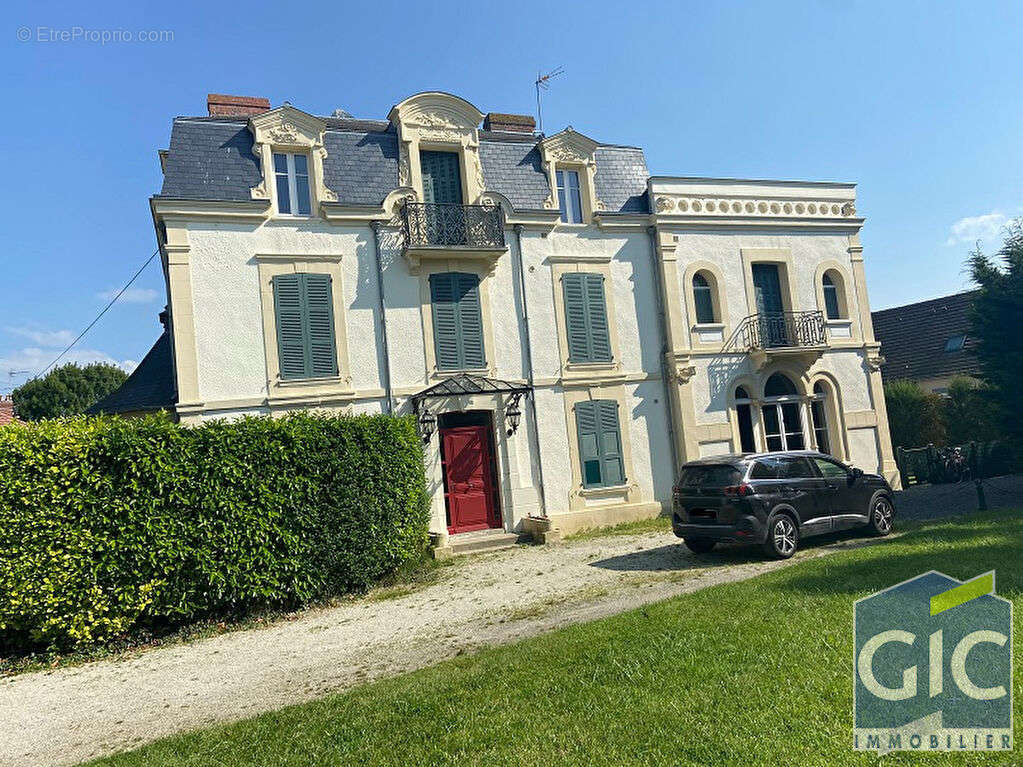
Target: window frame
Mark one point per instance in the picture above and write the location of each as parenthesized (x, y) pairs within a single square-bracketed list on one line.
[(460, 338), (704, 291), (561, 176), (602, 456), (586, 279), (291, 175), (303, 284), (832, 300)]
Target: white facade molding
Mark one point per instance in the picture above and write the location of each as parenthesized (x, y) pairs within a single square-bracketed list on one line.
[(287, 129), (571, 150)]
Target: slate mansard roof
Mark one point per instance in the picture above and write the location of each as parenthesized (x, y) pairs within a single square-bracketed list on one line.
[(149, 387), (913, 339), (211, 159)]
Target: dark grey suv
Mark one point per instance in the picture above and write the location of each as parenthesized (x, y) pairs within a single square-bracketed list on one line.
[(774, 499)]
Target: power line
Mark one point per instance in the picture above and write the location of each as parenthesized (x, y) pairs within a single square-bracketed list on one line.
[(105, 308)]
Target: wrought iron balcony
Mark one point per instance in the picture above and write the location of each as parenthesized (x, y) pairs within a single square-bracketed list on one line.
[(783, 331), (430, 226)]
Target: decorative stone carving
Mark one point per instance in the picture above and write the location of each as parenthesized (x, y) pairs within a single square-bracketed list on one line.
[(289, 129), (720, 207)]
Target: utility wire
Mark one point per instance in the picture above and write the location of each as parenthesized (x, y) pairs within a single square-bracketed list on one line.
[(105, 308)]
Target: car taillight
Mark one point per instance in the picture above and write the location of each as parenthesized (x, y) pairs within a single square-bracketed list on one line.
[(739, 491)]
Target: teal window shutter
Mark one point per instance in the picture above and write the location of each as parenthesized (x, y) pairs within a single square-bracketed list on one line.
[(457, 321), (600, 444), (304, 312), (586, 317)]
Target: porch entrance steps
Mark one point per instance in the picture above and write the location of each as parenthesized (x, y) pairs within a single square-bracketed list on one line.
[(483, 540)]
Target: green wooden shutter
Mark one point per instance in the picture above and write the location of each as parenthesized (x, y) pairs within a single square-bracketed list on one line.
[(304, 312), (320, 324), (600, 444), (610, 443), (290, 334), (470, 319), (445, 321), (457, 321), (442, 181), (600, 344), (586, 317)]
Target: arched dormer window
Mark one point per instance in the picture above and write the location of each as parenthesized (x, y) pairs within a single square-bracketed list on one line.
[(703, 299)]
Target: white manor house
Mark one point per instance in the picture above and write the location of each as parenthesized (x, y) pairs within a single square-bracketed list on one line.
[(566, 328)]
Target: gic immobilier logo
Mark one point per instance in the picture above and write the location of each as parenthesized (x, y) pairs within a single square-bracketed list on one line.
[(933, 666)]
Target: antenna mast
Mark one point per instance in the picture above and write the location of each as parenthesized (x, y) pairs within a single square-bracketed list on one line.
[(544, 82)]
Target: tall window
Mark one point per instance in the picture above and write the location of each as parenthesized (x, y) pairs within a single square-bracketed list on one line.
[(600, 443), (291, 172), (783, 421), (744, 415), (819, 414), (703, 298), (569, 199), (304, 312), (832, 307), (586, 317), (457, 321)]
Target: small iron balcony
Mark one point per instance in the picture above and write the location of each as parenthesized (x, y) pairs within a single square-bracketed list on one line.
[(783, 330), (462, 227)]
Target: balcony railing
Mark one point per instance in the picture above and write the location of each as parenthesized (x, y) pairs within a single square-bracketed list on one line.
[(783, 330), (474, 227)]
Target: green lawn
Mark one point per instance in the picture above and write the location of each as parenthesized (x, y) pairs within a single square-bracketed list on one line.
[(751, 673)]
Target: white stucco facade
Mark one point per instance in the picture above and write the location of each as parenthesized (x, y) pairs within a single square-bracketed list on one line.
[(674, 379)]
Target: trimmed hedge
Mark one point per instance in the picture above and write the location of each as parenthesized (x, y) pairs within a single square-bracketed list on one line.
[(109, 523)]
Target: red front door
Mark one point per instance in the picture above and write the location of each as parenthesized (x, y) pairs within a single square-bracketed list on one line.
[(468, 478)]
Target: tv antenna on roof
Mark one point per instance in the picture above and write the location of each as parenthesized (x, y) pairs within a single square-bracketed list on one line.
[(544, 82)]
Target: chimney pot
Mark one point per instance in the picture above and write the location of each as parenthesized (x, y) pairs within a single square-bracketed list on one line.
[(499, 121), (223, 105)]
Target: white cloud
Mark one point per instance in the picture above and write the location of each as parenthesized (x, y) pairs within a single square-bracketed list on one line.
[(131, 295), (48, 338), (973, 228)]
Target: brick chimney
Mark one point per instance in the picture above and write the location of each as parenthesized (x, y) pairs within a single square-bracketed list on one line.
[(221, 105), (504, 122)]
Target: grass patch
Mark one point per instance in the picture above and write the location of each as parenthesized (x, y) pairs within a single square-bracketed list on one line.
[(407, 579), (751, 673), (659, 524)]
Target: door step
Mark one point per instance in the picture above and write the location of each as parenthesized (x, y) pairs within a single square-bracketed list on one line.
[(485, 540)]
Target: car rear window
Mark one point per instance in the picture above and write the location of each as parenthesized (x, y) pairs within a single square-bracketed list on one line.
[(710, 476)]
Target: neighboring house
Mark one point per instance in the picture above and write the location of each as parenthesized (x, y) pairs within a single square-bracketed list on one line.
[(928, 342), (6, 410), (566, 328)]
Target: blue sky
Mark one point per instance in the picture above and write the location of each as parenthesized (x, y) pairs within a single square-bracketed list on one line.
[(919, 103)]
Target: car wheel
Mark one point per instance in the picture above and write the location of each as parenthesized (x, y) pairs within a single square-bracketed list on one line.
[(882, 516), (782, 537), (699, 545)]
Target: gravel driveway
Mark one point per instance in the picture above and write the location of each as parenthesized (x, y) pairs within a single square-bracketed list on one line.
[(68, 715)]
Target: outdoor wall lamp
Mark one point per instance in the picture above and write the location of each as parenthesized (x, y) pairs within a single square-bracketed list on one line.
[(513, 415), (427, 423)]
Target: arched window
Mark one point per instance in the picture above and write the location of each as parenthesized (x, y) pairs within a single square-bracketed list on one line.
[(782, 412), (833, 299), (703, 299), (744, 417), (819, 413), (779, 385)]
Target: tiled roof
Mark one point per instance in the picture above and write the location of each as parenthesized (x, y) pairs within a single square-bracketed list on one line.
[(149, 387), (6, 410), (211, 159), (913, 338)]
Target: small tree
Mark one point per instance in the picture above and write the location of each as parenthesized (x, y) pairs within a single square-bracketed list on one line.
[(66, 390), (915, 417), (971, 412), (996, 320)]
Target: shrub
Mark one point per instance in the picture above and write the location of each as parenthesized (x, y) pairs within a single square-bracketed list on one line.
[(915, 417), (67, 390), (110, 523)]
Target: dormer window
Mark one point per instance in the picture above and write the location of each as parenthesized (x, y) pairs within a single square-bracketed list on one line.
[(291, 172), (569, 197)]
